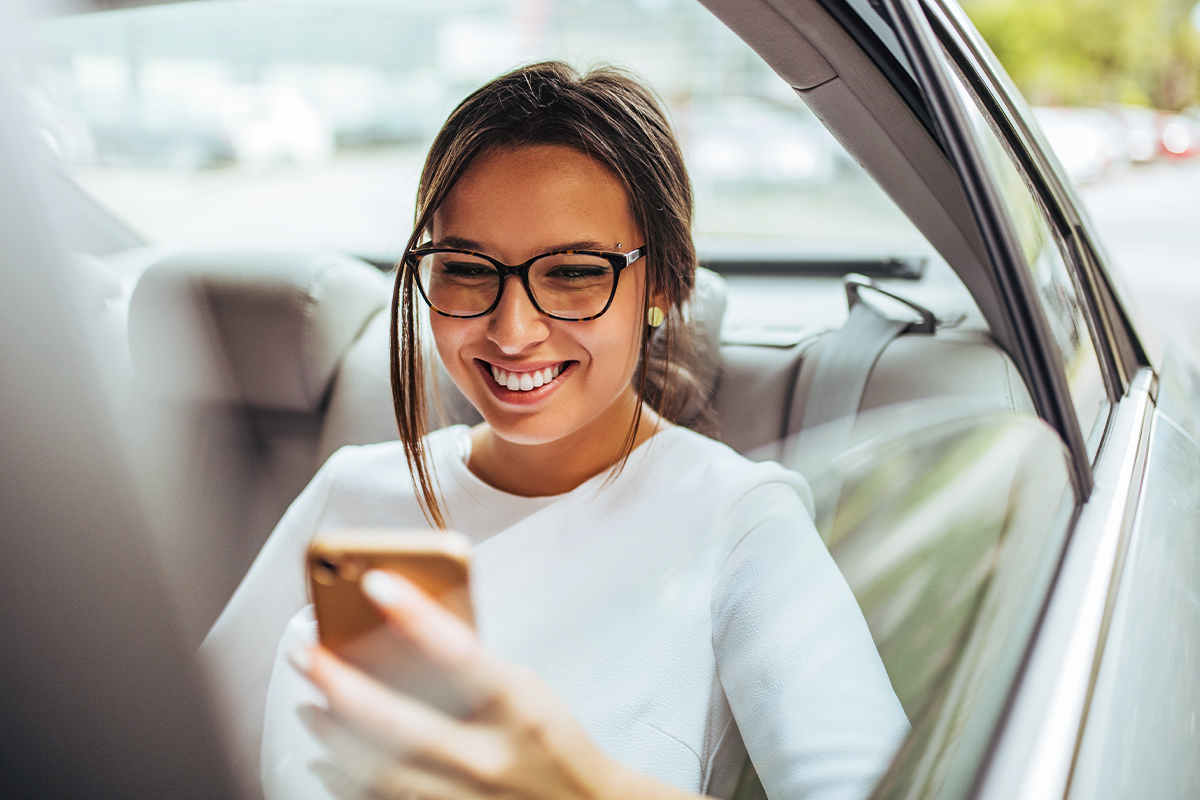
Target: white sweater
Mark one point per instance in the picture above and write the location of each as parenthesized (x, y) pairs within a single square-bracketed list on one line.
[(681, 610)]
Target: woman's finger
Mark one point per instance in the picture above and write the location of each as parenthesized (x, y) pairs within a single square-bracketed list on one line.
[(402, 726), (359, 770), (444, 639)]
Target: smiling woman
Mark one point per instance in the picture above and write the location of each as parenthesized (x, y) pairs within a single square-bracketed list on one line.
[(518, 203), (534, 162), (652, 607)]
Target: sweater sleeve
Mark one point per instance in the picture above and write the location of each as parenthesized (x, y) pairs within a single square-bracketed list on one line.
[(239, 650), (795, 659)]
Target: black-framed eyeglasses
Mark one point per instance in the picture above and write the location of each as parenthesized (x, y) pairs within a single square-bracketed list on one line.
[(574, 285)]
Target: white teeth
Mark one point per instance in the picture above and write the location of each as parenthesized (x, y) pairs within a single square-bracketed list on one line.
[(526, 381)]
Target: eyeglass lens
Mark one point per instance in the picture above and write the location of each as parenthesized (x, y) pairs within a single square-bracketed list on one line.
[(568, 285)]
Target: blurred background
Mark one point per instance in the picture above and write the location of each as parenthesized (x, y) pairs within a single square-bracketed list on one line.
[(1115, 85), (304, 122)]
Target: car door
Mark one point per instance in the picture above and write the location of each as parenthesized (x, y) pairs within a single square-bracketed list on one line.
[(1112, 667), (1011, 718), (1063, 349)]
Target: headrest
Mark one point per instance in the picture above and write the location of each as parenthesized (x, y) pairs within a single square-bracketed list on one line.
[(264, 329), (704, 312)]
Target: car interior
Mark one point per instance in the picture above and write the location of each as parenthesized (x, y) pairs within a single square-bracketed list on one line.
[(293, 348), (294, 343), (278, 357)]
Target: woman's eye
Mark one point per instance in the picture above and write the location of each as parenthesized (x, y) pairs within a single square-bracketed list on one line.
[(467, 269), (570, 272)]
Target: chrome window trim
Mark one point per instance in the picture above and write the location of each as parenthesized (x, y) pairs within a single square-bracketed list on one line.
[(1034, 352), (1036, 747), (1156, 761), (1000, 89), (1059, 193)]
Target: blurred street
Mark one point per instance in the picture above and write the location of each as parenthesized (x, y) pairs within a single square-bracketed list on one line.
[(1149, 219)]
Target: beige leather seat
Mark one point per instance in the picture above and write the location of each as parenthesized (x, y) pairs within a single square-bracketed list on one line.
[(236, 351), (753, 390), (282, 357)]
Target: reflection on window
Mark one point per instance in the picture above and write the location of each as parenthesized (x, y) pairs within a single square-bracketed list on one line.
[(947, 536), (1044, 252)]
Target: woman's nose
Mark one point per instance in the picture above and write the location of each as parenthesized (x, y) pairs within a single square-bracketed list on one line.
[(516, 324)]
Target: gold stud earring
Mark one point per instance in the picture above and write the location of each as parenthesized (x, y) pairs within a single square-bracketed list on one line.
[(655, 316)]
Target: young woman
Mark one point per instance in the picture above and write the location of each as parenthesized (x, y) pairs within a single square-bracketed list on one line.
[(651, 606)]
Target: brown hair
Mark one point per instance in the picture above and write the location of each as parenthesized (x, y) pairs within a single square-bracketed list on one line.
[(609, 115)]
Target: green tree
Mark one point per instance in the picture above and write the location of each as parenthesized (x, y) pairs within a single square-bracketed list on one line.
[(1075, 52)]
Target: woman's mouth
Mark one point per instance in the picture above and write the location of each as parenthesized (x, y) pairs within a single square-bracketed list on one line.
[(526, 381)]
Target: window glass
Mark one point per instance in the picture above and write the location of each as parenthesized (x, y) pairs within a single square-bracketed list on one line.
[(309, 119), (305, 123), (948, 536), (1045, 253)]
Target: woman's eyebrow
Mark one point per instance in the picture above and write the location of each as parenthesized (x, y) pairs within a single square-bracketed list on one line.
[(458, 243), (461, 243), (585, 245)]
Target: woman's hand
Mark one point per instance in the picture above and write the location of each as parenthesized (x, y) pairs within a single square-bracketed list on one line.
[(520, 741)]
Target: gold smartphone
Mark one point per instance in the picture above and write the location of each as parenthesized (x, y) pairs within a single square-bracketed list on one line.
[(349, 624)]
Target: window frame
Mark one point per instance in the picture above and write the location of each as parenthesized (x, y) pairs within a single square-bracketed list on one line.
[(923, 34), (1064, 240), (1115, 345), (1121, 352)]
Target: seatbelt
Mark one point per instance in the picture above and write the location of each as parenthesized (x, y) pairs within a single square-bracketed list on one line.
[(841, 376)]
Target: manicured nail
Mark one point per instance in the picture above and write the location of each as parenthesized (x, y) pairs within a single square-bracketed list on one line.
[(300, 657), (384, 589)]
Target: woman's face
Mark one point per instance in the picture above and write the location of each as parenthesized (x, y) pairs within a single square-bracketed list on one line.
[(514, 204)]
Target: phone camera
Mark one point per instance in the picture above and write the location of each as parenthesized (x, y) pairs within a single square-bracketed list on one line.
[(325, 572)]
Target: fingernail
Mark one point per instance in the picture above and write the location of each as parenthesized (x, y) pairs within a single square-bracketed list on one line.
[(385, 589), (300, 657)]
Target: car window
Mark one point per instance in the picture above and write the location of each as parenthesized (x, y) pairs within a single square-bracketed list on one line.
[(308, 120), (948, 535), (305, 123), (1046, 254)]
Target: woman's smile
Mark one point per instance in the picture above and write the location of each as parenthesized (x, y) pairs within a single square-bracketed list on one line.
[(525, 384)]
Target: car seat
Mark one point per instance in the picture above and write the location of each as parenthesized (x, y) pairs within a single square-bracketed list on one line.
[(280, 357)]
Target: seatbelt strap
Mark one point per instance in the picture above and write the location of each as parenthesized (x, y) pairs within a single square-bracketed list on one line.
[(841, 376)]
